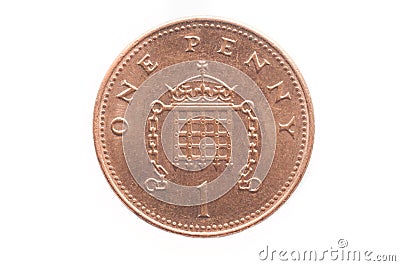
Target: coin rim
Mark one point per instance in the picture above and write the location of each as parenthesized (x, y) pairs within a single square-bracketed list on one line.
[(286, 194)]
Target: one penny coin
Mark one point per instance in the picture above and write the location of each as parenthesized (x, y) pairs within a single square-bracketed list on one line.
[(203, 127)]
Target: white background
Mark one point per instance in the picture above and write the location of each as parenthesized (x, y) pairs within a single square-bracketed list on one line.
[(56, 207)]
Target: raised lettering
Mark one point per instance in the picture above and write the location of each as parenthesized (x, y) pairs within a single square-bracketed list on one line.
[(287, 127), (203, 200), (124, 95), (121, 128), (280, 96), (146, 64), (226, 46), (192, 41), (258, 65)]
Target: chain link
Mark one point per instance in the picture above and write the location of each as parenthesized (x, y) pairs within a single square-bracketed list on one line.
[(246, 184), (152, 141)]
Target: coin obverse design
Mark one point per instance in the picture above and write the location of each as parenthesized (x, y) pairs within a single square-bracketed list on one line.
[(203, 127)]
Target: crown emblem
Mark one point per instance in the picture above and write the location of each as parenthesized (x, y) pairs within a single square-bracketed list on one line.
[(202, 88)]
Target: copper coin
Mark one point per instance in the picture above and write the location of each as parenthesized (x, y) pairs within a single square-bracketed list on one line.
[(203, 127)]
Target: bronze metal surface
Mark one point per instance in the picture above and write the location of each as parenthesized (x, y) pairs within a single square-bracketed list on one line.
[(203, 127)]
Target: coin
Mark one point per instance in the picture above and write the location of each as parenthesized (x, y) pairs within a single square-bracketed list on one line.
[(203, 127)]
